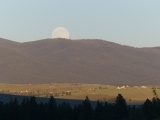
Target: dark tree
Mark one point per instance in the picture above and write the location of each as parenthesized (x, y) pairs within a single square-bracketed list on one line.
[(108, 111), (52, 109), (65, 112), (155, 92), (99, 111), (29, 109), (135, 113), (13, 110), (121, 111), (156, 107), (148, 109), (86, 113), (32, 109), (42, 114), (76, 111)]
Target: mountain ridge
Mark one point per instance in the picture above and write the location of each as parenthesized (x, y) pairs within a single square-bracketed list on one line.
[(78, 61)]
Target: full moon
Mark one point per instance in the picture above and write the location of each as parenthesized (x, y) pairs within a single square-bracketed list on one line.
[(60, 32)]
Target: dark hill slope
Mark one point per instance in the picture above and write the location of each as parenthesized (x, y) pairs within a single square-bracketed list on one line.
[(8, 43), (82, 61)]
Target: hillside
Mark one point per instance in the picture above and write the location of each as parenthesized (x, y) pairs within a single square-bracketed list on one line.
[(78, 61)]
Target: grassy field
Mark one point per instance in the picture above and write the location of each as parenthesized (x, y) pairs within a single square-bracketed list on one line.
[(95, 92)]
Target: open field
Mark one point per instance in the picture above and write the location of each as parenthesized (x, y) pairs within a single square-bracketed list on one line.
[(95, 92)]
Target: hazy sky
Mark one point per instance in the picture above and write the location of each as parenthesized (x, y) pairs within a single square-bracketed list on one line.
[(129, 22)]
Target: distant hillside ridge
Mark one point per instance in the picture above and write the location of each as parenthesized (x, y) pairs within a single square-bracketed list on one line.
[(78, 61)]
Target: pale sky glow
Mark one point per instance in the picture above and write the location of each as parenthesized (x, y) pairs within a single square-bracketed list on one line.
[(128, 22)]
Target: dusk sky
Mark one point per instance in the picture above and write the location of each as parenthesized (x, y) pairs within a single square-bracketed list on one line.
[(127, 22)]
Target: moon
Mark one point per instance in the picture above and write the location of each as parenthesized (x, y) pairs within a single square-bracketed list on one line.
[(60, 32)]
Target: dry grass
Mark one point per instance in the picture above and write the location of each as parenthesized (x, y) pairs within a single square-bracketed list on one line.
[(79, 91)]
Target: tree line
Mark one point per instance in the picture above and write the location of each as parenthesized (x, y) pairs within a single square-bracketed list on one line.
[(29, 109)]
